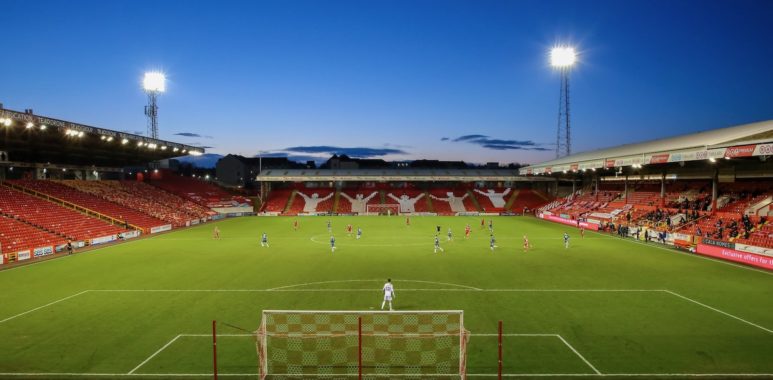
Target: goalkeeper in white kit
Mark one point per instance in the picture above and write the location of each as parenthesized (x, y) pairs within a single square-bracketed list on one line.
[(389, 293)]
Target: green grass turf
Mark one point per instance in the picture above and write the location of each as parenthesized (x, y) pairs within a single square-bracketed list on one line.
[(549, 290)]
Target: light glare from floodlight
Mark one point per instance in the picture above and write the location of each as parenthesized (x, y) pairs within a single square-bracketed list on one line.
[(563, 57), (154, 81)]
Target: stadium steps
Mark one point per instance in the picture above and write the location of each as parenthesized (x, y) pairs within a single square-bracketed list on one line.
[(336, 198), (382, 195), (511, 200), (541, 195), (430, 206), (474, 200), (290, 201)]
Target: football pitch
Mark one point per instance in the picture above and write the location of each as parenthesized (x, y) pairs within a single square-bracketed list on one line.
[(604, 307)]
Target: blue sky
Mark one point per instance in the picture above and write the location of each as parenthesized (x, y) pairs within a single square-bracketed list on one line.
[(393, 79)]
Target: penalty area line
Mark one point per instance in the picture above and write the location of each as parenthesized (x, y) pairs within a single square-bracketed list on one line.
[(154, 355), (719, 311), (579, 355), (44, 306)]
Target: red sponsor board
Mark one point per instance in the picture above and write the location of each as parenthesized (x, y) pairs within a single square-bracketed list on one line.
[(528, 171), (569, 222), (574, 167), (610, 163), (737, 256), (549, 169), (740, 151), (659, 158)]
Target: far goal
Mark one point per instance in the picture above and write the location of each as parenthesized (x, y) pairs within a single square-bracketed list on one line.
[(362, 344), (383, 209)]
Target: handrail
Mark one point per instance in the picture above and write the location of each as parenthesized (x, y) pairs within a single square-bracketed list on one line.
[(71, 205)]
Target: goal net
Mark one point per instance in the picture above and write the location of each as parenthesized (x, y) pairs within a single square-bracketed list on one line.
[(383, 209), (370, 344)]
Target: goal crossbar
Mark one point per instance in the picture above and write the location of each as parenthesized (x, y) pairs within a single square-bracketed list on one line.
[(377, 208), (362, 343)]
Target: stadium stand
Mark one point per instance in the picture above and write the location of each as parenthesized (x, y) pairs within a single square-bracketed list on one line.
[(277, 201), (345, 206), (16, 236), (91, 202), (144, 198), (198, 191), (52, 217), (487, 197), (527, 199)]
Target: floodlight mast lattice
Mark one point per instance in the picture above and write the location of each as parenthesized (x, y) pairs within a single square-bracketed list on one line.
[(563, 58), (154, 84)]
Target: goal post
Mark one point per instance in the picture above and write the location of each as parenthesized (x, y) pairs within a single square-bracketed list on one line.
[(382, 209), (362, 344)]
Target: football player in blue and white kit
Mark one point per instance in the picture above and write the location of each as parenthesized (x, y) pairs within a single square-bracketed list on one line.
[(332, 243), (566, 240), (264, 240), (437, 245), (359, 233), (389, 293), (492, 243), (450, 235)]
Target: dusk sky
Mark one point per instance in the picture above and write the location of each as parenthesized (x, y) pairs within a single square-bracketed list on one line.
[(394, 79)]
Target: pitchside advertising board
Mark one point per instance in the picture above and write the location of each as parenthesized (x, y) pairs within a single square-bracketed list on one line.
[(157, 229), (741, 253), (752, 259), (43, 251)]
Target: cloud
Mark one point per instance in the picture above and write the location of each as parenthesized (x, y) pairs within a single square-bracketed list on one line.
[(191, 134), (358, 152), (445, 139), (498, 144), (469, 137)]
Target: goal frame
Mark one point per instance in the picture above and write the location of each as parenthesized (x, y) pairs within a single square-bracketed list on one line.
[(262, 346), (393, 206)]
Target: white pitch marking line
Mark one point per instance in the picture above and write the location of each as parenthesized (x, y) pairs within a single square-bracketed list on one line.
[(719, 311), (525, 290), (677, 375), (46, 305), (346, 281), (578, 354), (154, 354)]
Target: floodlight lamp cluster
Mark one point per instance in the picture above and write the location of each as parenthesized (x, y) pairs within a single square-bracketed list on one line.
[(154, 81), (74, 133), (563, 57)]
